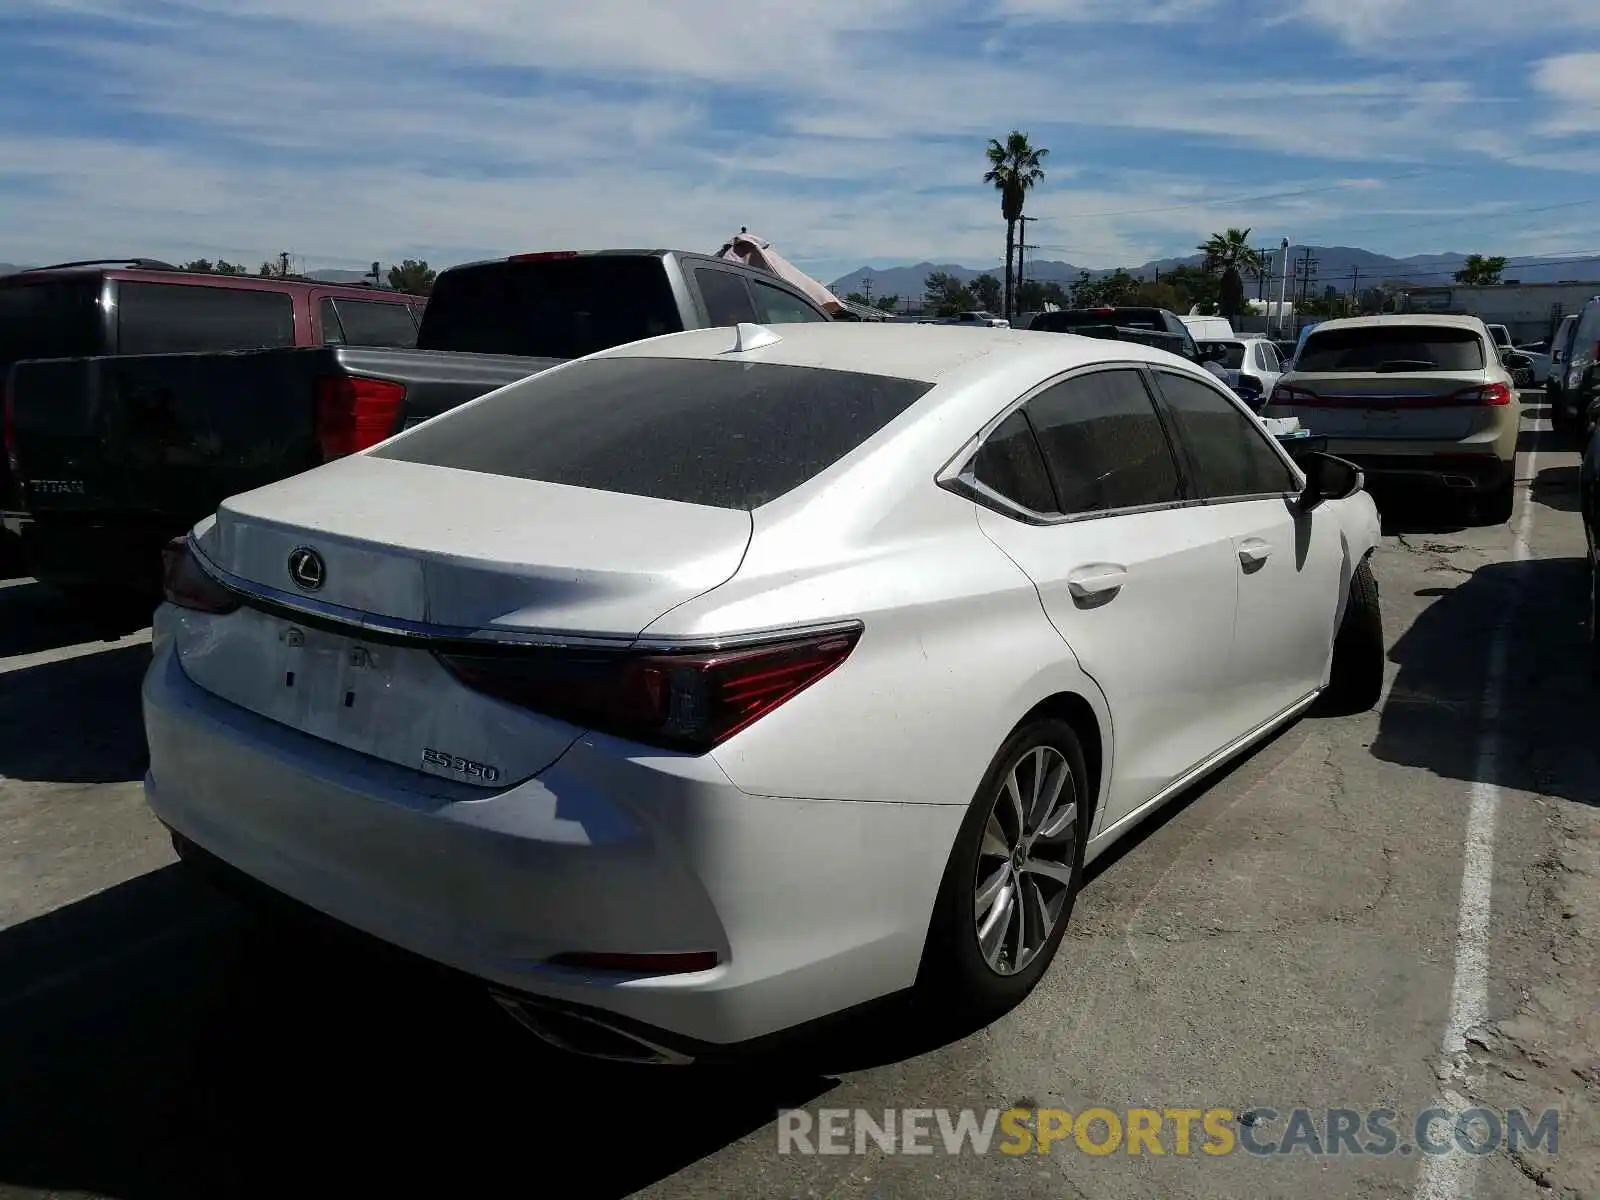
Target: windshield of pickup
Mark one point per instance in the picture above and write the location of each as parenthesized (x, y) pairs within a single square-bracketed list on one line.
[(549, 308), (1379, 348)]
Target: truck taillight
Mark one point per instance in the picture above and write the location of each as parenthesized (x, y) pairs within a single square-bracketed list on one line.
[(690, 701), (355, 412), (185, 583)]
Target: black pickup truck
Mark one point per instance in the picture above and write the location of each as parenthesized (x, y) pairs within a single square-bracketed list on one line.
[(116, 455), (1148, 326)]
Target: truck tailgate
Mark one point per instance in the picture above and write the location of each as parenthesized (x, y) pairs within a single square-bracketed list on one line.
[(438, 380), (162, 433)]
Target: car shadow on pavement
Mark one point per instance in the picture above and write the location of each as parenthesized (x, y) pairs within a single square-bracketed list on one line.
[(158, 1042), (1419, 510), (76, 720), (1434, 715), (35, 618), (1557, 488)]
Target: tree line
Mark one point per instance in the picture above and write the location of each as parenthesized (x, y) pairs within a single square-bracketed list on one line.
[(412, 276)]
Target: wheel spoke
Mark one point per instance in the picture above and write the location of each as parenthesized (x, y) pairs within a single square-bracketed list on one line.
[(992, 931), (1014, 795), (1058, 822), (1060, 873), (989, 890), (994, 844), (1039, 805)]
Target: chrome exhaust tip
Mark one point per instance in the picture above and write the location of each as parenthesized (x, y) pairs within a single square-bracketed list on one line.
[(590, 1037), (1458, 481)]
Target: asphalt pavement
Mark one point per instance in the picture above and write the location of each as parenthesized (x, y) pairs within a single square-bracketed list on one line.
[(1396, 910)]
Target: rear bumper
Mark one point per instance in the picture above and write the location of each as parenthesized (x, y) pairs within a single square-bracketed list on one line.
[(813, 907), (1447, 469)]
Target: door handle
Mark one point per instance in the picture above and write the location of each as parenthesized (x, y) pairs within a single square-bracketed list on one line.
[(1100, 579), (1253, 552)]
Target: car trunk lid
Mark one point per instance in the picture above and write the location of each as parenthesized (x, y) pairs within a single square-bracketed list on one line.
[(1408, 405), (408, 555)]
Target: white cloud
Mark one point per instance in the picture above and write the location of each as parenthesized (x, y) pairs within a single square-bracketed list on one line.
[(1395, 28), (1572, 84)]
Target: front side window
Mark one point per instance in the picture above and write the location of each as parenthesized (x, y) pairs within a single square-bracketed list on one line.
[(1229, 452), (778, 307), (727, 299), (1104, 446)]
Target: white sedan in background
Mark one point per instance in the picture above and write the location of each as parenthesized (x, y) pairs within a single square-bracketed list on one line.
[(697, 689)]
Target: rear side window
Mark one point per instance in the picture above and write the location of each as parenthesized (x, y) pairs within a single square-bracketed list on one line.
[(1103, 443), (549, 308), (1230, 355), (1011, 465), (374, 323), (175, 318), (1229, 452), (778, 307), (1382, 348), (50, 320), (723, 434), (727, 300)]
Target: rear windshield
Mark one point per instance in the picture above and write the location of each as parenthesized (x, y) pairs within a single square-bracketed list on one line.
[(1229, 355), (187, 318), (1392, 348), (557, 308), (723, 434), (59, 319), (1128, 318)]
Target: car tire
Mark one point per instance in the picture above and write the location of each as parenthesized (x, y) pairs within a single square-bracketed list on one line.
[(1494, 508), (1355, 680), (960, 977), (1594, 616)]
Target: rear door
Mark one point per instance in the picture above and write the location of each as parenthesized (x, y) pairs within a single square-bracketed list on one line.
[(1289, 563), (778, 306), (724, 295), (346, 321), (1138, 580), (1389, 382)]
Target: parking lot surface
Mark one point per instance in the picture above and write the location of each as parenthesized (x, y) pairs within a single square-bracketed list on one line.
[(1394, 910)]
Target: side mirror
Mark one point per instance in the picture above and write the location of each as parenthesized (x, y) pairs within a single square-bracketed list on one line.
[(1327, 478)]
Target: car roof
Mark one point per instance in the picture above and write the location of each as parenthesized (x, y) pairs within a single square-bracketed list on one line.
[(1444, 320), (929, 353)]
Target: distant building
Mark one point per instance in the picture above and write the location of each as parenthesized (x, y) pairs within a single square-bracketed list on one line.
[(1530, 311)]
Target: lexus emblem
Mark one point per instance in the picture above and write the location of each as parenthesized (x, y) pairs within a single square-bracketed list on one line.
[(307, 569)]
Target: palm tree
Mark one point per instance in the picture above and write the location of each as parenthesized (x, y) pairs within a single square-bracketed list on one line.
[(1013, 169), (1233, 256)]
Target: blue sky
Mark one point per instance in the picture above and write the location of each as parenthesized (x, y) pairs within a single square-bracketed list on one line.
[(847, 131)]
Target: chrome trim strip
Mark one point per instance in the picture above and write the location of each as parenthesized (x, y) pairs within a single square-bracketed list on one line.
[(429, 635), (1209, 764)]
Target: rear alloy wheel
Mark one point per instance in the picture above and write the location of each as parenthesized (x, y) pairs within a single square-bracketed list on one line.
[(1356, 679), (1013, 874)]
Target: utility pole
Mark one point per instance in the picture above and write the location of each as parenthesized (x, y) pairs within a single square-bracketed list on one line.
[(866, 289), (1264, 271), (1022, 247), (1355, 288), (283, 264), (1308, 271), (1283, 289)]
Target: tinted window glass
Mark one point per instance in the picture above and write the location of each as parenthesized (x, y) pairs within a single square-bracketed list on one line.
[(1229, 452), (1229, 355), (1128, 318), (727, 300), (725, 434), (332, 333), (554, 308), (779, 307), (49, 320), (1378, 348), (1011, 464), (175, 318), (1586, 332), (374, 323), (1103, 443)]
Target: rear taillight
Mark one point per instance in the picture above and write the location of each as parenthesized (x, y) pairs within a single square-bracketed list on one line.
[(354, 412), (1491, 393), (186, 584), (1284, 394), (679, 700)]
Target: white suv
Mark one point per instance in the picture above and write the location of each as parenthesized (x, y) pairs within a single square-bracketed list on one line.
[(1411, 396)]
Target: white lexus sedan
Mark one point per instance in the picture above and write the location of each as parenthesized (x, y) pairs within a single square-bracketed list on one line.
[(694, 690)]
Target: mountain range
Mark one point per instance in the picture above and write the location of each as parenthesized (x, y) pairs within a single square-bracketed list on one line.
[(1338, 266)]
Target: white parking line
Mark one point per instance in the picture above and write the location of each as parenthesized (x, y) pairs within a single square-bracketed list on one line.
[(21, 662), (1451, 1177)]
